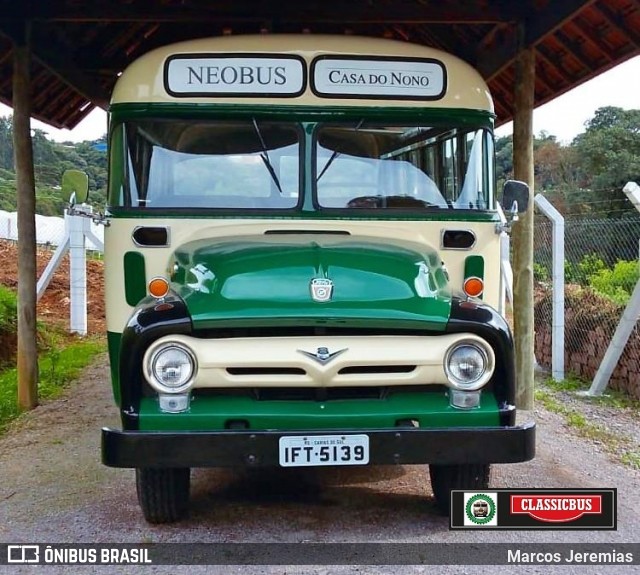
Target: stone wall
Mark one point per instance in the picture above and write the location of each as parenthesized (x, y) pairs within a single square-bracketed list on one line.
[(590, 322)]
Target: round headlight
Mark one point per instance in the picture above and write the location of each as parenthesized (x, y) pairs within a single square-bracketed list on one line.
[(172, 367), (465, 365)]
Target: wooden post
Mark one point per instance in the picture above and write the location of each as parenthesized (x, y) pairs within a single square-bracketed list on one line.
[(27, 362), (523, 230)]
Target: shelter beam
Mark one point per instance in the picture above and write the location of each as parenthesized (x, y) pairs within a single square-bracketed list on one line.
[(27, 360), (523, 231)]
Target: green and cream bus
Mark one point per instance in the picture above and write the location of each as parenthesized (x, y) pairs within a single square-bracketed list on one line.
[(303, 264)]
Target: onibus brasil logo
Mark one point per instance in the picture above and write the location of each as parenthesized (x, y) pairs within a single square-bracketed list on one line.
[(480, 509)]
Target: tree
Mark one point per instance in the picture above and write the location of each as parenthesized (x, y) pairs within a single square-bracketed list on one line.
[(557, 173), (504, 159), (556, 168), (51, 159), (609, 156), (6, 143)]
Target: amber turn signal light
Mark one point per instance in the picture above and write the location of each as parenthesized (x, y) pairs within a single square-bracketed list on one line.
[(473, 287), (158, 287)]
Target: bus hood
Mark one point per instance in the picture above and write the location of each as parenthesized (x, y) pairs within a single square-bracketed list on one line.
[(312, 280)]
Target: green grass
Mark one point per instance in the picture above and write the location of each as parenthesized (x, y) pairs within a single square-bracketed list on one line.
[(569, 384), (611, 398), (57, 367), (631, 458), (8, 309), (616, 445), (550, 403), (576, 419)]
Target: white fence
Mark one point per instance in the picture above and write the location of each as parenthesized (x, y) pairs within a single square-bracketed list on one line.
[(50, 230), (76, 234)]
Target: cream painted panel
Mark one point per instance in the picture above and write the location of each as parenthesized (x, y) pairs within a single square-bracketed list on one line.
[(143, 80), (158, 260), (425, 352)]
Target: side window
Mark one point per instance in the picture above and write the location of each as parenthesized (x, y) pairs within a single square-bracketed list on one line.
[(461, 164), (449, 169), (475, 189)]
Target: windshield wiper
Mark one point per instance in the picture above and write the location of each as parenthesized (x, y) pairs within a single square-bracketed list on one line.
[(265, 158), (336, 154)]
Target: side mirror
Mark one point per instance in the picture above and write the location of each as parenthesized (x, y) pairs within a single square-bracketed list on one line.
[(515, 197), (75, 187)]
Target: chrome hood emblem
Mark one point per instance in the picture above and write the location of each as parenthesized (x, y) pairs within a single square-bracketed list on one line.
[(323, 355), (321, 289)]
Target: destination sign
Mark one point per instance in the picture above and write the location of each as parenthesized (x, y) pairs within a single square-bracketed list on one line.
[(370, 77), (234, 75)]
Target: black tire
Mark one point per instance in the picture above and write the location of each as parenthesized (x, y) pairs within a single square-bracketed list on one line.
[(444, 478), (163, 494)]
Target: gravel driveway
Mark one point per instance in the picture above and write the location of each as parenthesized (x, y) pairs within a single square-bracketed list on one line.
[(53, 488)]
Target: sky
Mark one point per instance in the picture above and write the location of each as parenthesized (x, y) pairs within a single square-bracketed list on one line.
[(563, 117)]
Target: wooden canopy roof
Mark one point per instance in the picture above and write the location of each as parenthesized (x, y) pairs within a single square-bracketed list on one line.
[(79, 46)]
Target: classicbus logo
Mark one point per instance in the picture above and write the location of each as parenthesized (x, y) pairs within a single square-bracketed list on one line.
[(550, 509), (556, 508)]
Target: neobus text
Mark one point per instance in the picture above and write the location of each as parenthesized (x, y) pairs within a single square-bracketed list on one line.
[(263, 75)]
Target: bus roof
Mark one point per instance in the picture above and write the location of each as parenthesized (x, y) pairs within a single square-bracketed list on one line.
[(310, 70)]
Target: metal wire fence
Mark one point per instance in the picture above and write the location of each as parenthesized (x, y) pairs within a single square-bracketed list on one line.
[(601, 270)]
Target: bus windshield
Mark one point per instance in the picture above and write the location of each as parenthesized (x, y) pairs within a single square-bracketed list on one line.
[(254, 164), (361, 165), (206, 164)]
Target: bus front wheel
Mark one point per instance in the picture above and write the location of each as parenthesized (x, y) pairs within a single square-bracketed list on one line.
[(444, 478), (163, 494)]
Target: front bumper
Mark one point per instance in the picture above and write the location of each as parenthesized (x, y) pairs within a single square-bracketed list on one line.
[(231, 448)]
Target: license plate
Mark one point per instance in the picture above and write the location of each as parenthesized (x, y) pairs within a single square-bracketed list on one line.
[(317, 450)]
